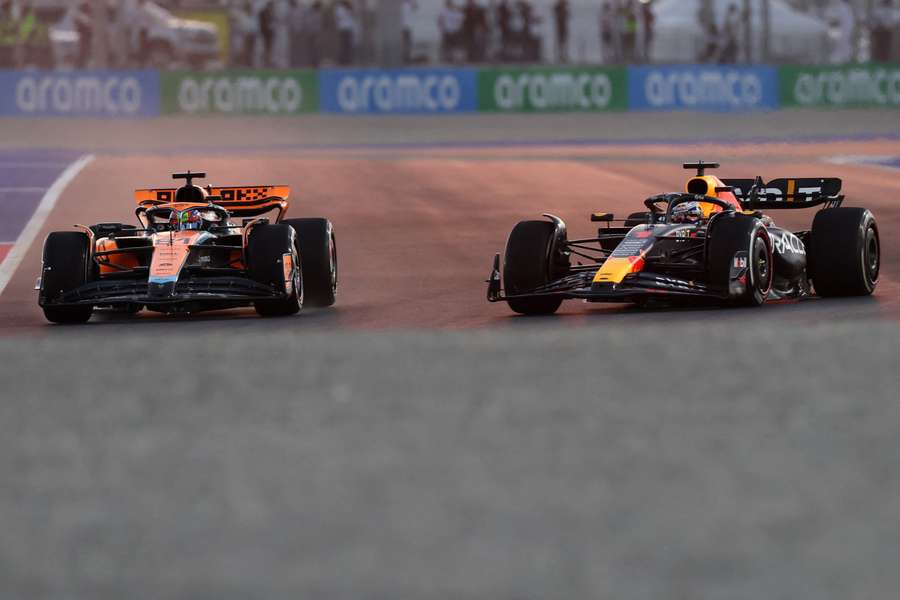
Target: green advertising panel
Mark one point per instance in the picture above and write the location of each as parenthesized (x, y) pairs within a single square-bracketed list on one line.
[(240, 92), (551, 89), (836, 87)]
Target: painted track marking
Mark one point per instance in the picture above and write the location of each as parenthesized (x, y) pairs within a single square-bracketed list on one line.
[(891, 162), (33, 227)]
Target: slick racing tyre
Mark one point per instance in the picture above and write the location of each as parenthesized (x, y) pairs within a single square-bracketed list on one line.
[(318, 255), (741, 242), (845, 252), (267, 247), (532, 260), (66, 258)]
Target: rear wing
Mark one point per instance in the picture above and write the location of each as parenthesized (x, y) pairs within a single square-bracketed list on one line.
[(785, 193), (241, 201)]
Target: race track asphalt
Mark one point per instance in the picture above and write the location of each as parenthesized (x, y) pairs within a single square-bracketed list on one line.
[(416, 442)]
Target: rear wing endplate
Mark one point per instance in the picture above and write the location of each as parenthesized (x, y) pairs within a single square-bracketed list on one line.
[(785, 193)]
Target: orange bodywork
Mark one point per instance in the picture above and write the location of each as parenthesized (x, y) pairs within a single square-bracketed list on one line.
[(168, 258), (707, 185), (248, 201), (171, 251), (115, 262), (231, 197)]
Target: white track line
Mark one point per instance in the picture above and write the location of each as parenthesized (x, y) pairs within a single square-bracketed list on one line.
[(26, 238), (864, 160)]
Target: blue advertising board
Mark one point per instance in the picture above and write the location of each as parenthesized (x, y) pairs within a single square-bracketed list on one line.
[(79, 93), (703, 88), (410, 91)]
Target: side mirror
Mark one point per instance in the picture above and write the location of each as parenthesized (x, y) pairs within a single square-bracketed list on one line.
[(602, 217)]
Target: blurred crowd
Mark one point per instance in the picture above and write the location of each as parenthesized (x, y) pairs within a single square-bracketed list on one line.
[(845, 22), (626, 30), (475, 31), (294, 33), (135, 33), (311, 33), (308, 33)]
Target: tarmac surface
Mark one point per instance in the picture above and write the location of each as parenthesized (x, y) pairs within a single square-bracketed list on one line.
[(416, 442)]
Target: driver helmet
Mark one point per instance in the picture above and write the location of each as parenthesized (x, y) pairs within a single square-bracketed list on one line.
[(190, 219), (688, 212)]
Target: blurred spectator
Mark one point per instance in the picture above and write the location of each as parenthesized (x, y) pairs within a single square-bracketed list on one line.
[(313, 23), (267, 31), (345, 22), (85, 28), (607, 26), (409, 7), (296, 19), (281, 43), (117, 35), (244, 30), (502, 16), (18, 26), (843, 21), (523, 39), (8, 37), (9, 34), (710, 52), (561, 14), (649, 24), (730, 31), (475, 31), (532, 33), (122, 35), (883, 23), (141, 34), (450, 23), (513, 49), (629, 26)]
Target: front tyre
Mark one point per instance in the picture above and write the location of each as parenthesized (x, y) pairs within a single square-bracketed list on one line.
[(65, 268), (269, 248), (318, 254), (845, 252), (532, 260), (740, 259)]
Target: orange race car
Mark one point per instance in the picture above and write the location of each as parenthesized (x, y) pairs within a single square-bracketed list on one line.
[(189, 254)]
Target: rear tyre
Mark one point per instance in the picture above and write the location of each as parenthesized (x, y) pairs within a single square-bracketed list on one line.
[(845, 252), (266, 250), (318, 255), (733, 236), (531, 261), (66, 258)]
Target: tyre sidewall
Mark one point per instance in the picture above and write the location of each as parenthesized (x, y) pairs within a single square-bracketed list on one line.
[(317, 248), (65, 263), (533, 259), (66, 266), (758, 291), (839, 252), (266, 247), (729, 235)]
